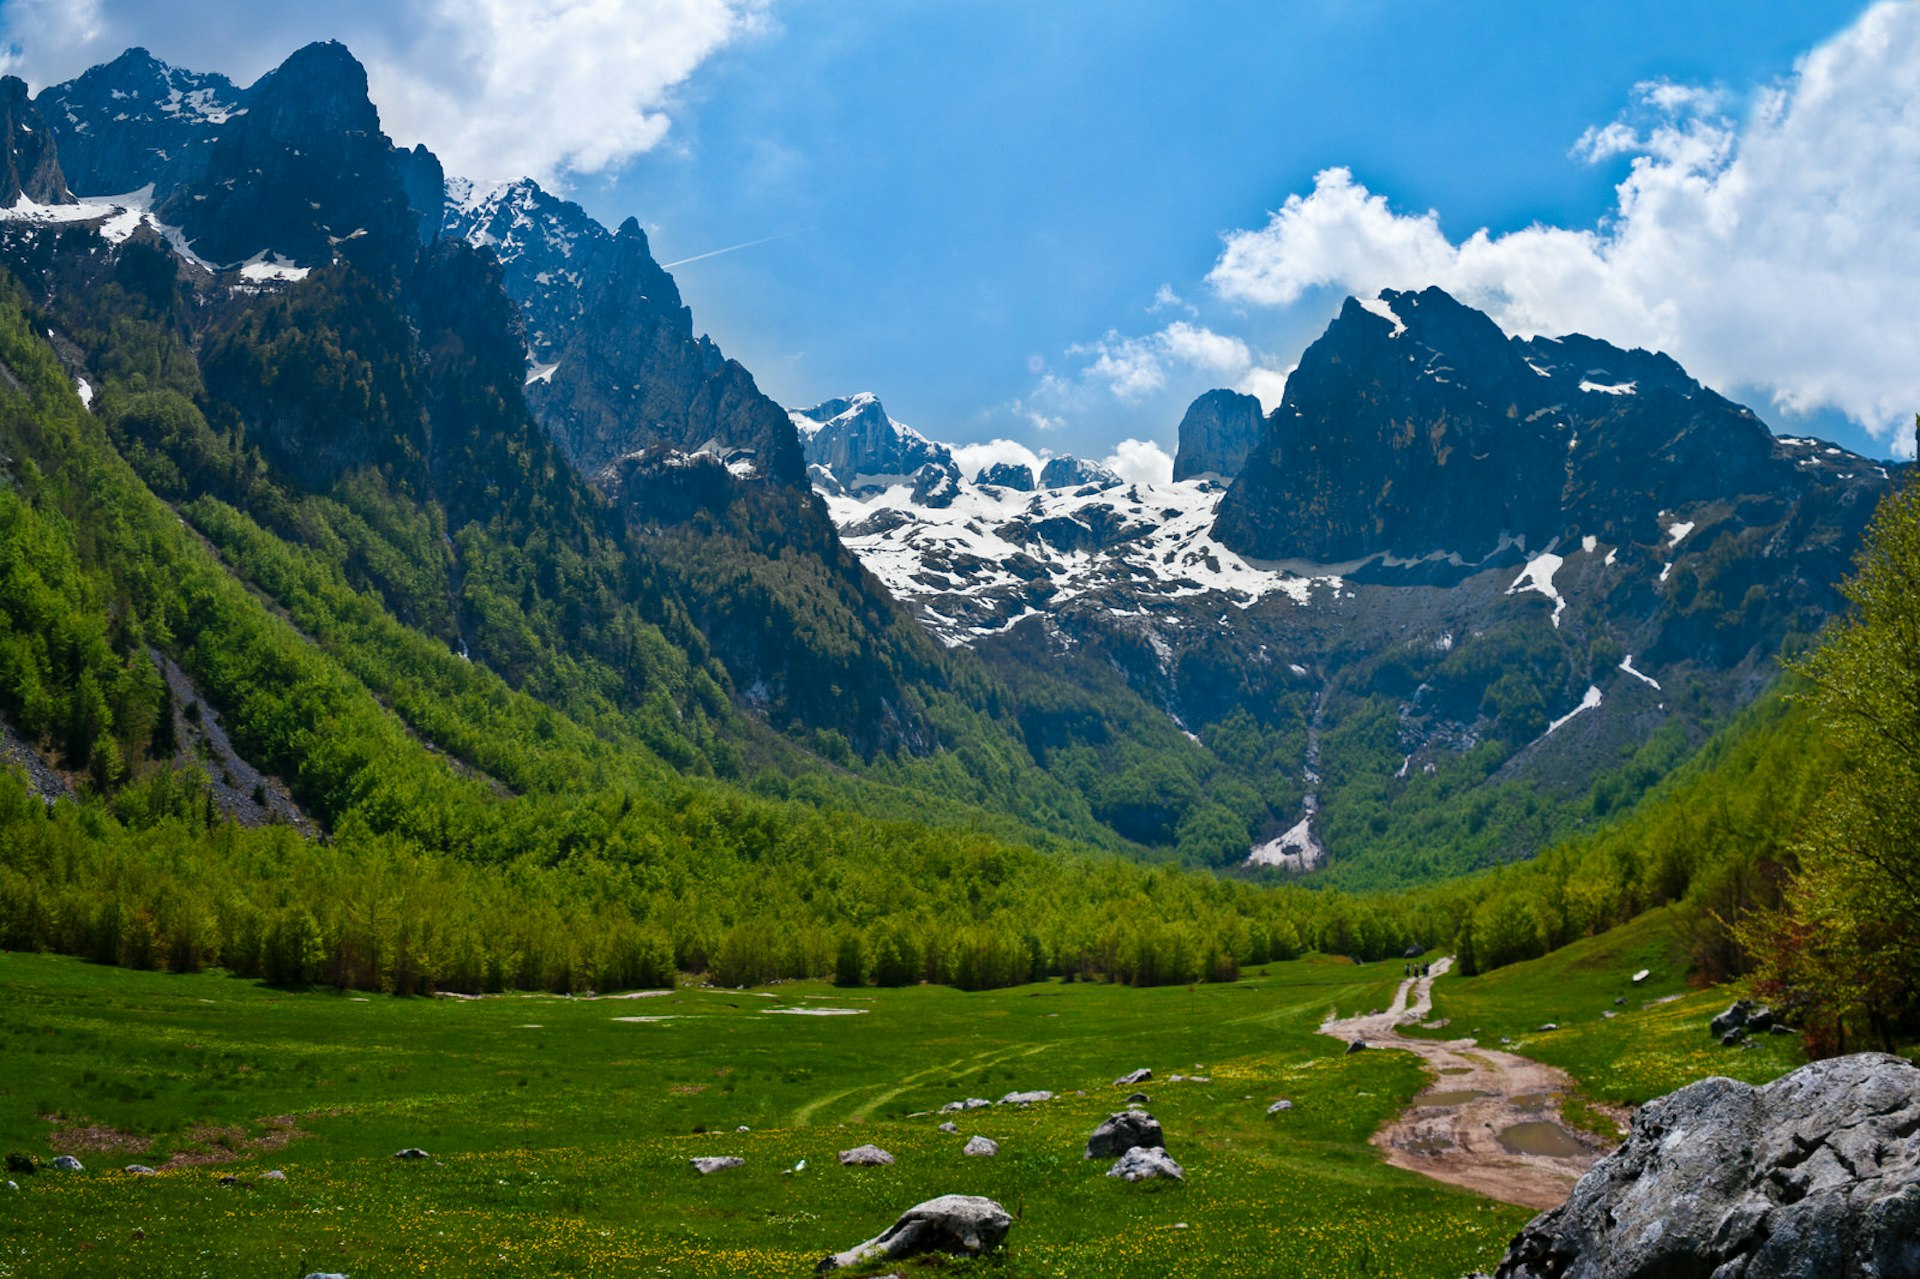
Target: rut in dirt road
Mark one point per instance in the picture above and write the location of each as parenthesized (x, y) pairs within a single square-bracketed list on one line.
[(1491, 1120)]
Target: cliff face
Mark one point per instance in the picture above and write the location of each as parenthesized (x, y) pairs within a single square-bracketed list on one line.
[(137, 122), (31, 163), (1219, 430)]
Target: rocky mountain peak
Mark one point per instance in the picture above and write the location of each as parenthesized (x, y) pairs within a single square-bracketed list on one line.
[(1219, 430), (1067, 471), (1007, 475), (31, 165), (866, 451), (1414, 428), (136, 121)]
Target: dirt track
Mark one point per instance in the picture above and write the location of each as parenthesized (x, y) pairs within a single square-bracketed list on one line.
[(1455, 1138)]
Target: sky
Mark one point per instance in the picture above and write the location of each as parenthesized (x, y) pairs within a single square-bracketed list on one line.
[(1044, 228)]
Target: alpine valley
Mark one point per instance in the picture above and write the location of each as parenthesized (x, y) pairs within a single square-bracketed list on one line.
[(401, 596)]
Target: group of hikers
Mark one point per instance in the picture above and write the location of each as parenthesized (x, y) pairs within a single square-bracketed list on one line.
[(1413, 970)]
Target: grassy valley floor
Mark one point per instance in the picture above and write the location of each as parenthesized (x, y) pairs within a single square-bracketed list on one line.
[(560, 1129)]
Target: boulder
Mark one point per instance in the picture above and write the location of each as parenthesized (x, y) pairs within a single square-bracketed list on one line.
[(1137, 1099), (1121, 1132), (1360, 1045), (983, 1147), (1733, 1019), (868, 1156), (964, 1225), (949, 1126), (67, 1163), (1147, 1163), (1026, 1098), (273, 1174), (1549, 1025), (411, 1152), (1139, 1076), (707, 1165), (1817, 1173), (1280, 1107), (971, 1103), (1734, 1038), (1642, 975), (1759, 1019), (140, 1170)]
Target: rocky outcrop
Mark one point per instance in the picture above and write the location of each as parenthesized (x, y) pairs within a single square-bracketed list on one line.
[(962, 1225), (1007, 475), (1219, 430), (1122, 1131), (30, 167), (1068, 472), (1817, 1173)]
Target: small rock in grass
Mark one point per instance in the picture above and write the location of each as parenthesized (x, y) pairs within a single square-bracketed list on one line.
[(231, 1180), (67, 1163), (1139, 1076), (326, 1274), (1550, 1025), (411, 1152), (1642, 975), (706, 1165), (1121, 1132), (1619, 999), (1137, 1099), (960, 1224), (1360, 1045), (1026, 1098), (13, 1185), (273, 1175), (867, 1156), (1147, 1163), (743, 1128), (971, 1103), (1608, 1013), (984, 1147), (949, 1126), (1279, 1106), (140, 1170)]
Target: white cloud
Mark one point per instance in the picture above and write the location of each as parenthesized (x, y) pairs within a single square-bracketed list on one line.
[(975, 458), (1136, 367), (1780, 252), (1265, 385), (1140, 462), (1164, 298), (497, 88)]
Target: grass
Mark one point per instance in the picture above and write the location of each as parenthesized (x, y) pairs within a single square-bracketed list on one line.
[(560, 1133), (1654, 1041)]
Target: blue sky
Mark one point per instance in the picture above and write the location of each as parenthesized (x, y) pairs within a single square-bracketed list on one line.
[(979, 203)]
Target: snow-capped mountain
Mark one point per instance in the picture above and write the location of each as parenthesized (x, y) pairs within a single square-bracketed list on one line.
[(1452, 541)]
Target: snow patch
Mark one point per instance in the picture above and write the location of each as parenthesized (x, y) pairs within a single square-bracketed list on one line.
[(1379, 307), (267, 265), (83, 389), (1609, 388), (1590, 702), (541, 373), (1295, 850), (1538, 576), (1626, 664), (1676, 532)]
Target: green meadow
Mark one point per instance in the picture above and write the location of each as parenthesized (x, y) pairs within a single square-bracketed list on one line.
[(560, 1128)]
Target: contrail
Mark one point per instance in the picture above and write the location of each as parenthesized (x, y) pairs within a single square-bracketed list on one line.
[(731, 248)]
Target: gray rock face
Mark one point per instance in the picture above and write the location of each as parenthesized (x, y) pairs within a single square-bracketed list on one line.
[(1817, 1173), (867, 451), (981, 1147), (867, 1156), (707, 1165), (965, 1225), (1219, 430), (1121, 1132), (1147, 1163), (29, 166), (1007, 475), (1076, 472)]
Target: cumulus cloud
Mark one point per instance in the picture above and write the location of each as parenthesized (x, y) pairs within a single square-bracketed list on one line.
[(1265, 385), (1780, 251), (975, 458), (1136, 367), (1140, 462), (498, 88)]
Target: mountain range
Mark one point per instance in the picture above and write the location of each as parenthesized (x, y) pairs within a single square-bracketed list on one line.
[(1458, 593)]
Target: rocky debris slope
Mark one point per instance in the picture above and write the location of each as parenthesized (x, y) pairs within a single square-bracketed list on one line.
[(1817, 1173)]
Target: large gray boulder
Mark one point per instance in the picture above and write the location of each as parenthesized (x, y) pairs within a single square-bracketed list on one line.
[(1122, 1131), (1817, 1173), (1147, 1163), (707, 1165), (867, 1156), (960, 1224)]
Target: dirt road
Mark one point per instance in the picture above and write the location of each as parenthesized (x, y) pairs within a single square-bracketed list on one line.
[(1490, 1121)]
